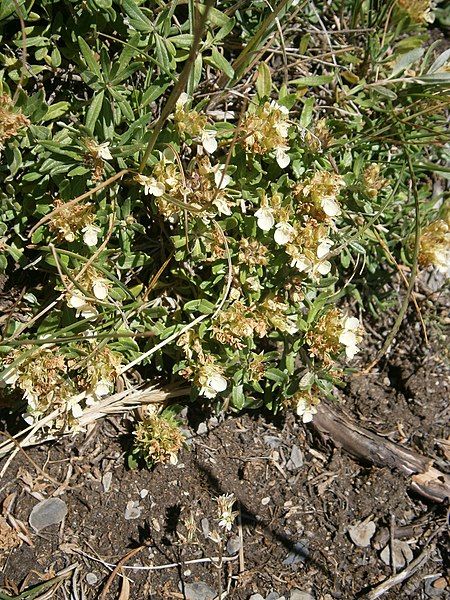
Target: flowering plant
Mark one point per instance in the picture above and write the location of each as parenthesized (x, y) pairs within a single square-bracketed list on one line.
[(231, 241)]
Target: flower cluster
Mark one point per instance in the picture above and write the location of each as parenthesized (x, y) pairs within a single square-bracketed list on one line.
[(69, 221), (266, 130), (305, 403), (52, 381), (91, 283), (225, 512), (373, 182), (333, 332), (11, 120), (317, 196), (434, 248), (95, 157), (200, 189), (420, 11), (158, 439), (194, 125)]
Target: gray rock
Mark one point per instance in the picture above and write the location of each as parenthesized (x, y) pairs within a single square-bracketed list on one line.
[(361, 533), (205, 526), (198, 590), (202, 428), (299, 595), (48, 512), (132, 510), (256, 597), (91, 578), (296, 459), (272, 441), (299, 554), (233, 545), (273, 596), (403, 554)]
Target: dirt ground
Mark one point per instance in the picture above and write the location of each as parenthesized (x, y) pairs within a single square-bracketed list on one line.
[(297, 496)]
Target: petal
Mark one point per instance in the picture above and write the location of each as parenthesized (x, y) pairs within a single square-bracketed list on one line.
[(90, 237), (324, 247), (265, 218), (77, 411), (218, 382), (330, 207), (283, 233), (100, 290), (182, 100), (350, 351), (324, 267), (351, 323), (282, 158), (221, 179), (102, 388), (76, 301), (348, 338), (209, 141)]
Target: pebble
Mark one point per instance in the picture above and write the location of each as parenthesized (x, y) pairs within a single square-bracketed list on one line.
[(143, 493), (256, 597), (202, 428), (265, 501), (198, 590), (402, 554), (296, 459), (91, 578), (361, 533), (48, 512), (273, 596), (132, 510), (233, 545), (272, 441), (299, 595), (205, 526), (299, 554), (106, 481)]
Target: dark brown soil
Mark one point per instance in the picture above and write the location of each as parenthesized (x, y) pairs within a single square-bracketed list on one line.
[(294, 520)]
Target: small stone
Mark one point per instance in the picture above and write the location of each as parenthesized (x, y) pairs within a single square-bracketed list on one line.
[(132, 510), (272, 441), (440, 584), (299, 554), (202, 428), (91, 578), (402, 554), (143, 493), (265, 501), (48, 512), (361, 533), (198, 590), (106, 481), (256, 597), (233, 545), (205, 526), (299, 595), (187, 573), (273, 596), (296, 459)]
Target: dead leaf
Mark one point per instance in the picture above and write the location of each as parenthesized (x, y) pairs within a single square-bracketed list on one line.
[(125, 589)]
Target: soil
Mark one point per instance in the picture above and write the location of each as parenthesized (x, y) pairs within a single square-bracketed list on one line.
[(293, 517)]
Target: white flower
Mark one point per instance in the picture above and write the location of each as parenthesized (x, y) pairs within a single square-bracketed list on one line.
[(282, 158), (350, 337), (222, 206), (330, 207), (182, 100), (104, 151), (151, 186), (100, 289), (90, 235), (284, 233), (73, 404), (265, 218), (221, 179), (306, 410), (209, 141), (283, 109), (302, 263), (76, 300), (103, 388), (215, 383), (323, 267), (324, 247), (29, 419)]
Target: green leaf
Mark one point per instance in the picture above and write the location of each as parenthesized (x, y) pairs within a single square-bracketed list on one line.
[(219, 61), (406, 60), (89, 57), (137, 18), (94, 111), (55, 110), (202, 305), (263, 81), (313, 80), (307, 112)]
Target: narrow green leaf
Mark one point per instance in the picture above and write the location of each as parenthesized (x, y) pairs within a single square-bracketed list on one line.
[(221, 62), (94, 111), (89, 58), (307, 112), (312, 80), (263, 81)]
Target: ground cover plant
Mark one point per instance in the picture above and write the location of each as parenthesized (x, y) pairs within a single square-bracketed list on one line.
[(211, 195)]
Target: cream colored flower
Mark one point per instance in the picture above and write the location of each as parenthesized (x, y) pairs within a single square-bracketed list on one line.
[(214, 383), (350, 336), (90, 235), (330, 206), (100, 289), (151, 185), (307, 408), (208, 139), (265, 217), (103, 388), (282, 157), (284, 233), (221, 179)]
